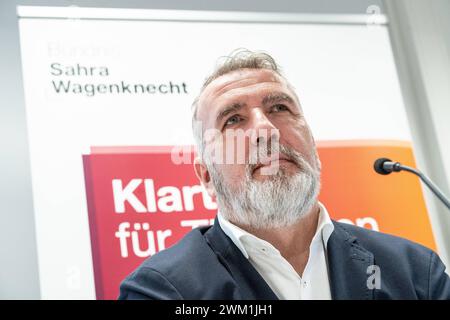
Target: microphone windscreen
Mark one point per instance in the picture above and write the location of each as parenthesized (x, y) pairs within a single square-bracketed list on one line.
[(378, 166)]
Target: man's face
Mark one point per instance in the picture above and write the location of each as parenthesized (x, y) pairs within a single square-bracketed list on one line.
[(256, 193), (260, 103)]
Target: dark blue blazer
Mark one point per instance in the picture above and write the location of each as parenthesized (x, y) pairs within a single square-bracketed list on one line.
[(206, 264)]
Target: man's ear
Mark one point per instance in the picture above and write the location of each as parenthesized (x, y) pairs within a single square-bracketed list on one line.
[(203, 175)]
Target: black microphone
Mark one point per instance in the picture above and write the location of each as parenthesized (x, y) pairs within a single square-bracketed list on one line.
[(385, 166)]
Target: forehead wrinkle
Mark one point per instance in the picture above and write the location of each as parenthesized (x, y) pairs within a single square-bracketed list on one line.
[(219, 88), (246, 83), (272, 96), (241, 93), (239, 76), (277, 96)]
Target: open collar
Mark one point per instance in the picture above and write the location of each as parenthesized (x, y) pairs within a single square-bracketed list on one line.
[(348, 265)]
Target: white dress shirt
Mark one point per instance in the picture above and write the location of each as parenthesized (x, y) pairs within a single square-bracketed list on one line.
[(279, 274)]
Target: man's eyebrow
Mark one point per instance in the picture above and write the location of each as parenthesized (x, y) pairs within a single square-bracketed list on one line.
[(275, 97), (227, 110)]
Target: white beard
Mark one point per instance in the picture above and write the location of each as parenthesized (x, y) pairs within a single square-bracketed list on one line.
[(279, 201)]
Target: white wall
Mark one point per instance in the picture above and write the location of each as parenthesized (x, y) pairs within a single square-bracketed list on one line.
[(420, 38)]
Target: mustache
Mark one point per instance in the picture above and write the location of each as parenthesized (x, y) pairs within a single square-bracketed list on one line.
[(284, 152)]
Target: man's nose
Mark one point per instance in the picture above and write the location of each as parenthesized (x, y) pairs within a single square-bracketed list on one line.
[(263, 130)]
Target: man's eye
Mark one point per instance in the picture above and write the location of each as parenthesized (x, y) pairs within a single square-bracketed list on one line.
[(232, 120), (279, 107)]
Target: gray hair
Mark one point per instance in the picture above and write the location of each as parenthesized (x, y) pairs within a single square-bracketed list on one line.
[(238, 59)]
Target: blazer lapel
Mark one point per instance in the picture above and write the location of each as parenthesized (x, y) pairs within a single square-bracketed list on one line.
[(251, 284), (348, 266)]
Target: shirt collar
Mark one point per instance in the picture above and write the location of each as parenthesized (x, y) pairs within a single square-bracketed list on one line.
[(324, 225), (246, 241)]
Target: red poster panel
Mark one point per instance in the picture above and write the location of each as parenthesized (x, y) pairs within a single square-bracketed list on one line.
[(140, 201)]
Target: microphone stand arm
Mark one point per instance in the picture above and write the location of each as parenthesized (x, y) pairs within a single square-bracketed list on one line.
[(428, 182)]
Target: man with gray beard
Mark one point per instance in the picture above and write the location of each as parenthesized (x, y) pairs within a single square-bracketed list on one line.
[(273, 202), (272, 238)]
